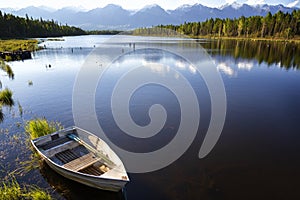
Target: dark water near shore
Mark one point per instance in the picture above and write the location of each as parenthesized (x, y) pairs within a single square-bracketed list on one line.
[(256, 157)]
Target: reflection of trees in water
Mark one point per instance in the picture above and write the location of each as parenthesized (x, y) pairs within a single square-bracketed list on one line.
[(284, 54), (6, 99)]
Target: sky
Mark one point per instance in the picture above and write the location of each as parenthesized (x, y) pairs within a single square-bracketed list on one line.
[(132, 4)]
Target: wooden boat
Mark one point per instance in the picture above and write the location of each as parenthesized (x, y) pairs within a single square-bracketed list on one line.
[(83, 157)]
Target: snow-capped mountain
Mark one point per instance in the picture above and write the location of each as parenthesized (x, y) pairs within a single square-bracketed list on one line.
[(115, 17)]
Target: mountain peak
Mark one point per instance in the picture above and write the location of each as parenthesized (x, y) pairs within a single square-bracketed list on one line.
[(110, 6), (115, 17), (151, 7), (234, 5)]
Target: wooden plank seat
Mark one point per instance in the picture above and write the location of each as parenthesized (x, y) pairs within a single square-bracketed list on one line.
[(82, 162)]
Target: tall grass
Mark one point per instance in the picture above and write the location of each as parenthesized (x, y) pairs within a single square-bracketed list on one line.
[(40, 127), (12, 190), (37, 194), (1, 114), (6, 68), (6, 97)]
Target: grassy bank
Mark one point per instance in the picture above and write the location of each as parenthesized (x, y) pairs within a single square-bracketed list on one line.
[(296, 40), (16, 44), (154, 32)]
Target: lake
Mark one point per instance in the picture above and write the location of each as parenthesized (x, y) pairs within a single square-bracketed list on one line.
[(256, 156)]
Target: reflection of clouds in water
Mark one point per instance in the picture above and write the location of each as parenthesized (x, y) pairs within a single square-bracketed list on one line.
[(126, 62), (231, 68), (245, 65), (226, 69), (185, 66), (192, 69), (160, 66), (157, 68), (180, 65)]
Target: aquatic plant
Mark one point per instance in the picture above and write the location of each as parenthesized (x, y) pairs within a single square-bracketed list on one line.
[(13, 191), (38, 194), (40, 127), (10, 190), (6, 68), (1, 114), (5, 100), (20, 109), (6, 97)]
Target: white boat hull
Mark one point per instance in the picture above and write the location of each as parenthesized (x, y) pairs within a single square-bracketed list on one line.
[(95, 182)]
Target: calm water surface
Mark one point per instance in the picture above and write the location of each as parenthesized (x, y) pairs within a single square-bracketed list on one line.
[(256, 157)]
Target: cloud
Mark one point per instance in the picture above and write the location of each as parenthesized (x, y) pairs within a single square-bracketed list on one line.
[(255, 2), (230, 1), (294, 4)]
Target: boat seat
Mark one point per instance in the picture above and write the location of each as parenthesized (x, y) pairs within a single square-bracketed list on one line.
[(53, 143), (82, 162)]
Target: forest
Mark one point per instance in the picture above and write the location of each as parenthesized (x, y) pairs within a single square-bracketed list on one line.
[(279, 25), (17, 27)]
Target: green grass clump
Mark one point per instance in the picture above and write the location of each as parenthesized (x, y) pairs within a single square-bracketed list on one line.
[(40, 127), (11, 190), (38, 194), (6, 97)]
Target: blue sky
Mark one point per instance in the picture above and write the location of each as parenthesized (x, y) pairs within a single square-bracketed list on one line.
[(131, 4)]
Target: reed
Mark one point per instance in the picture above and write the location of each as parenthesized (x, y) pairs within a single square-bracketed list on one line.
[(6, 97), (1, 114), (38, 194), (10, 190), (6, 68), (13, 191), (40, 127)]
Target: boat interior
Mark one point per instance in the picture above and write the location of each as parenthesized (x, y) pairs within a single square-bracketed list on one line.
[(71, 154)]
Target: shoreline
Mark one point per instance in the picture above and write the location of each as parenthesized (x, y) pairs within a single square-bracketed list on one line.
[(17, 49), (295, 40)]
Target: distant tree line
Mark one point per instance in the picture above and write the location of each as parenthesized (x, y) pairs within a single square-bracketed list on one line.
[(103, 32), (279, 25), (17, 27)]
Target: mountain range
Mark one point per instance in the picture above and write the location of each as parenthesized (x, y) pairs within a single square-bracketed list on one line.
[(115, 17)]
